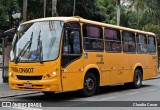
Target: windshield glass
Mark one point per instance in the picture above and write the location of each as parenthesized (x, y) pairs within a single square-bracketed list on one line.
[(38, 41)]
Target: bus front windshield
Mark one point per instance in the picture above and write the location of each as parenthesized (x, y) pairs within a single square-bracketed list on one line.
[(37, 41)]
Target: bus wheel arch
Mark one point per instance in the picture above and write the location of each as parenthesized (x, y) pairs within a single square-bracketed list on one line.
[(136, 78), (141, 69), (92, 73)]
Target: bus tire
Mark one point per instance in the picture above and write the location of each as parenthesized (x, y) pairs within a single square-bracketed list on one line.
[(90, 85), (137, 79), (49, 93)]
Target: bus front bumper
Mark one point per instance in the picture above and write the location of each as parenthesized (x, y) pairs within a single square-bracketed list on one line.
[(39, 85)]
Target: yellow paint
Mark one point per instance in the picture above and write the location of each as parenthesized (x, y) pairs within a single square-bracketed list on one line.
[(116, 67)]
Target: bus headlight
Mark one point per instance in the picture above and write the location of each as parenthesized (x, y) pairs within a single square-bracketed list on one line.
[(54, 73), (11, 74), (50, 75)]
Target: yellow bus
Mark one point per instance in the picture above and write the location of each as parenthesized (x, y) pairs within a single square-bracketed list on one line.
[(59, 54)]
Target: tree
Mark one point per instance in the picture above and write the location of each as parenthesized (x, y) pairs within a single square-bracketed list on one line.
[(54, 7), (139, 5), (6, 8), (44, 8), (108, 9), (128, 17), (118, 12), (25, 10)]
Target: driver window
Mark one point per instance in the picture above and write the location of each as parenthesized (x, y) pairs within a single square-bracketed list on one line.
[(71, 42), (71, 49)]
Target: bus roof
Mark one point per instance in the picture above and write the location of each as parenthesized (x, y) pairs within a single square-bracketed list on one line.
[(79, 19)]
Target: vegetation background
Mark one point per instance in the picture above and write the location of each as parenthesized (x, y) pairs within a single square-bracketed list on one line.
[(138, 14)]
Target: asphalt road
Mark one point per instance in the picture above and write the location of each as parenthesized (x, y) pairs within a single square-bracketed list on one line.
[(150, 91)]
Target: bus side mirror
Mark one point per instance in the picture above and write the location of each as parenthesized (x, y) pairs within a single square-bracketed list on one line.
[(5, 41)]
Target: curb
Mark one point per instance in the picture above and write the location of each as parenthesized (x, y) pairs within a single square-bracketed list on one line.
[(1, 97)]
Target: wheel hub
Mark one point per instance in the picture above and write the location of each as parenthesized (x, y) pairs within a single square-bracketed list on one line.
[(138, 79), (89, 84)]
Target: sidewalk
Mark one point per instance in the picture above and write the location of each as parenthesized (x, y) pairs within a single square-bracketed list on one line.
[(5, 91)]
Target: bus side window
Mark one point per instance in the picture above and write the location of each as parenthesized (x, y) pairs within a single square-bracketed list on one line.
[(151, 44), (112, 39), (142, 43), (93, 38), (71, 44), (129, 44), (66, 43), (76, 43)]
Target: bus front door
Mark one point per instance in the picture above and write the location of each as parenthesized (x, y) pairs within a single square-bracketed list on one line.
[(72, 61)]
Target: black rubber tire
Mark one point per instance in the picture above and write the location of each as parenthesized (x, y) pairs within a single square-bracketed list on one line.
[(137, 80), (50, 94), (90, 85)]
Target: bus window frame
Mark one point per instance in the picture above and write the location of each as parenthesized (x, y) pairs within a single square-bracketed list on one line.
[(102, 37), (81, 48), (134, 42), (155, 44), (146, 35), (113, 40)]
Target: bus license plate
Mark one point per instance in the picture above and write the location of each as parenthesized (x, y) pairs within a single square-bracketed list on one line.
[(27, 85)]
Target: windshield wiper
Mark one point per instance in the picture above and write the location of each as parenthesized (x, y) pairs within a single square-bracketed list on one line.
[(39, 47), (25, 48)]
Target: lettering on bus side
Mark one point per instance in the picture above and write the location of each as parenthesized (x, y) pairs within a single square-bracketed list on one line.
[(154, 57), (100, 60)]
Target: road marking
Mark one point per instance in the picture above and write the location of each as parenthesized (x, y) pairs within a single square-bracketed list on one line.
[(107, 98), (132, 93)]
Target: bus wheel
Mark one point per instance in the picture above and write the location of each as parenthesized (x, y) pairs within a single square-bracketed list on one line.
[(137, 80), (49, 93), (90, 85)]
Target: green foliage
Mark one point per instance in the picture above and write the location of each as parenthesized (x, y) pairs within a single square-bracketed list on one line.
[(152, 28), (6, 8), (85, 8), (140, 14)]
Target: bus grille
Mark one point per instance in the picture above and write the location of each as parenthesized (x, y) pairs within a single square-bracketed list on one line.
[(29, 77)]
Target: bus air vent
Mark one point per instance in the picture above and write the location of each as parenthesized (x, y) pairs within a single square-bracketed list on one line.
[(29, 77)]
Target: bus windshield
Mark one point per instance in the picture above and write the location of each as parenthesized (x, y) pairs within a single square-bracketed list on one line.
[(37, 41)]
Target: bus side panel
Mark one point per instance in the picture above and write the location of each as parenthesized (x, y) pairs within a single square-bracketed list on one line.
[(129, 60), (151, 70), (72, 75), (98, 59), (117, 63)]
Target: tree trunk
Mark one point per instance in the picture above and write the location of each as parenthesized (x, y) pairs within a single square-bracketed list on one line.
[(158, 22), (118, 12), (54, 9), (74, 7), (44, 9), (25, 10)]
